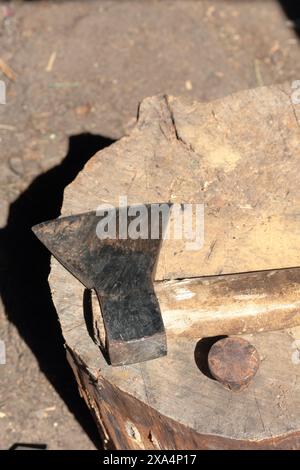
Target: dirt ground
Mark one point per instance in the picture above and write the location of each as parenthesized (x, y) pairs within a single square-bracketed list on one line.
[(80, 69)]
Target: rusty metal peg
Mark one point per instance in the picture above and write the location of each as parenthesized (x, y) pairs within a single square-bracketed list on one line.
[(233, 362)]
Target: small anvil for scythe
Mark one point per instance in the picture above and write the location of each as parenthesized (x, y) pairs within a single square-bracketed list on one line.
[(120, 270)]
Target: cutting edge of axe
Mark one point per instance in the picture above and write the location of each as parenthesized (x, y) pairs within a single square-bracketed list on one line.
[(120, 270)]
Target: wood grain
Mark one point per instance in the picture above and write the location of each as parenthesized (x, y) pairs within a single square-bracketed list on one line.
[(232, 304), (240, 156)]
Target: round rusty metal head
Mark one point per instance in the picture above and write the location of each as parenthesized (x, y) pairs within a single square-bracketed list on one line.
[(233, 362)]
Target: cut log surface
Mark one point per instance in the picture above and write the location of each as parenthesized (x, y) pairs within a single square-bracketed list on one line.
[(240, 157)]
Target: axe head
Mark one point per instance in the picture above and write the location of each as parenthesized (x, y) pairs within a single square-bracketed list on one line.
[(115, 254)]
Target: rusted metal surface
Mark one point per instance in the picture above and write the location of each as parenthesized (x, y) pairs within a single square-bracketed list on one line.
[(233, 362), (120, 271)]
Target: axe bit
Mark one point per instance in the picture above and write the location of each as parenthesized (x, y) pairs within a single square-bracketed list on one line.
[(121, 273)]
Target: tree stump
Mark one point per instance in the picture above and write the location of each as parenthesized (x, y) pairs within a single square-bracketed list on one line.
[(240, 157)]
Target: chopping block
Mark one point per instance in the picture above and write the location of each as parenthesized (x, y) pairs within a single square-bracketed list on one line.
[(239, 156)]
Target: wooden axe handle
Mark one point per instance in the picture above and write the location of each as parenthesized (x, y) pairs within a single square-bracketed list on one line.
[(231, 304)]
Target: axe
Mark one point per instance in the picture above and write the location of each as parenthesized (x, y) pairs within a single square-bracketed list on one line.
[(120, 270)]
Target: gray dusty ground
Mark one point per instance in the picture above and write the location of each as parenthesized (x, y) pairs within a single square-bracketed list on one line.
[(82, 67)]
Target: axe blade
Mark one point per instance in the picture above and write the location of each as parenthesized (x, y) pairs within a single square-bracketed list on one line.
[(120, 271)]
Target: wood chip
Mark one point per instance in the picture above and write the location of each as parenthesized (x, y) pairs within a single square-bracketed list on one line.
[(188, 85), (83, 110), (51, 62), (7, 70), (7, 127)]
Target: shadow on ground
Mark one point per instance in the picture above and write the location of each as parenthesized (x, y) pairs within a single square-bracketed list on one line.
[(292, 10), (25, 266)]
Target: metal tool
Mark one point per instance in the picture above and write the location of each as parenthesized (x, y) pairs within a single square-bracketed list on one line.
[(120, 271)]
